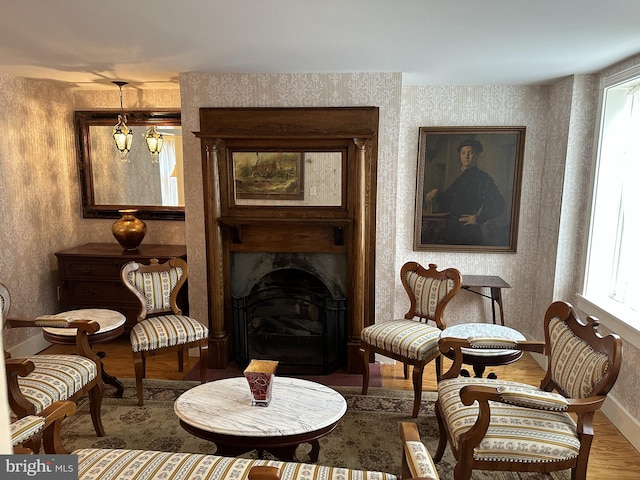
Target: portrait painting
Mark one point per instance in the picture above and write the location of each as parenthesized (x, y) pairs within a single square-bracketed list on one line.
[(468, 188)]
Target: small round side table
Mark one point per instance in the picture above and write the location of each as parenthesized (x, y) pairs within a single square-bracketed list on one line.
[(480, 358), (111, 327)]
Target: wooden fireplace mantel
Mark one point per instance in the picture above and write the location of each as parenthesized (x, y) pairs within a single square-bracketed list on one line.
[(305, 235), (348, 228)]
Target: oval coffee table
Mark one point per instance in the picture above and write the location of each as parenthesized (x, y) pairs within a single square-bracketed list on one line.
[(480, 358), (300, 412)]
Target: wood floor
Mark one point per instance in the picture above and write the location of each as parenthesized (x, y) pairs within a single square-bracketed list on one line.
[(612, 456)]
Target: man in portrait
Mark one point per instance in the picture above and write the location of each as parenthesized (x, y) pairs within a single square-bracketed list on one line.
[(472, 200)]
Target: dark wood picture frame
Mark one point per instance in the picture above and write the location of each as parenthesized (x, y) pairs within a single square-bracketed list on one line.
[(88, 162), (475, 210), (268, 175)]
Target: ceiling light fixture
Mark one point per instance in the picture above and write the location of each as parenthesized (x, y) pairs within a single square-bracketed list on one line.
[(154, 142), (122, 134)]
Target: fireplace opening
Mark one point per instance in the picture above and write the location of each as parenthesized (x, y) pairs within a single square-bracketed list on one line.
[(290, 315)]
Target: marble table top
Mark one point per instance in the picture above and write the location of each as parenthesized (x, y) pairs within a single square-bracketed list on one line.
[(224, 407), (108, 319), (468, 330)]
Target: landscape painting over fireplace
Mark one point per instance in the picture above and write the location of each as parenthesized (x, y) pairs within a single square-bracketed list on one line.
[(263, 175)]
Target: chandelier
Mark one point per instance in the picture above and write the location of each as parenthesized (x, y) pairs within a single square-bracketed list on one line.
[(154, 142), (122, 134)]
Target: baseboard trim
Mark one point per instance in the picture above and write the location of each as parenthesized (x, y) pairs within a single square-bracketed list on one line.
[(626, 424), (29, 347)]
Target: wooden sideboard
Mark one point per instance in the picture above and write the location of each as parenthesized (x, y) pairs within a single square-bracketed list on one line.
[(89, 276)]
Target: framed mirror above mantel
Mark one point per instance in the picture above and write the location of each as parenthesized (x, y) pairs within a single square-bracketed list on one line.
[(110, 182), (289, 180)]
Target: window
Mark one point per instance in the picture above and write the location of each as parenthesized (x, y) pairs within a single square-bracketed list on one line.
[(612, 279)]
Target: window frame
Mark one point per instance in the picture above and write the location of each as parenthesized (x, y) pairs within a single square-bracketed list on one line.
[(612, 314)]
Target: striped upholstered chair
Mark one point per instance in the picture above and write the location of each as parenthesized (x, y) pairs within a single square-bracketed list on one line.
[(412, 340), (36, 382), (495, 424), (161, 326)]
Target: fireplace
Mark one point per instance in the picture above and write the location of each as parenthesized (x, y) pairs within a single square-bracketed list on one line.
[(290, 307), (311, 218)]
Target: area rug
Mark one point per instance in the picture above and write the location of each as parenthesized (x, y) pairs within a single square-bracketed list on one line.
[(339, 378), (367, 437)]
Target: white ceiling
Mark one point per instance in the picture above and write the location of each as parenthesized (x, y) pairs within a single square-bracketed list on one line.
[(89, 43)]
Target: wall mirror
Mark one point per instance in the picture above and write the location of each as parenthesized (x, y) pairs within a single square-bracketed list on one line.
[(154, 187)]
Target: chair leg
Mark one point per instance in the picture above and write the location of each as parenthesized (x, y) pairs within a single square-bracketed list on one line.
[(442, 442), (579, 472), (462, 471), (181, 360), (417, 387), (95, 404), (139, 368), (438, 368), (204, 360), (405, 369), (364, 356), (34, 442)]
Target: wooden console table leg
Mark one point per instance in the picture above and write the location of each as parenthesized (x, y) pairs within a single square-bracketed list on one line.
[(496, 297)]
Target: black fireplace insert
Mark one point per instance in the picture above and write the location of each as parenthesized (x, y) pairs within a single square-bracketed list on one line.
[(302, 328)]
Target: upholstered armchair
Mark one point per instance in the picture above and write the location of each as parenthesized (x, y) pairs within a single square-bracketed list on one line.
[(161, 327), (494, 424), (36, 382), (412, 340)]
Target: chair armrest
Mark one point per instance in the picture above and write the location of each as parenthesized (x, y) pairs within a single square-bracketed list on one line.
[(585, 405), (14, 368), (54, 321), (455, 345), (416, 460), (19, 366), (84, 328), (24, 428)]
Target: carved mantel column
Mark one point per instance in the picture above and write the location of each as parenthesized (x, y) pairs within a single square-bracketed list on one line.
[(359, 298), (218, 336)]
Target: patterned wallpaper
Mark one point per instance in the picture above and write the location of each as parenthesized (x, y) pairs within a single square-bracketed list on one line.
[(41, 204), (38, 192), (478, 106)]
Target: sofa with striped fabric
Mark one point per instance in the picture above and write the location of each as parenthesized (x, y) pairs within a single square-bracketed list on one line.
[(102, 464), (122, 464)]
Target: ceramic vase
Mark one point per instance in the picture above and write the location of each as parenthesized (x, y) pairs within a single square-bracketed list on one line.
[(129, 230)]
